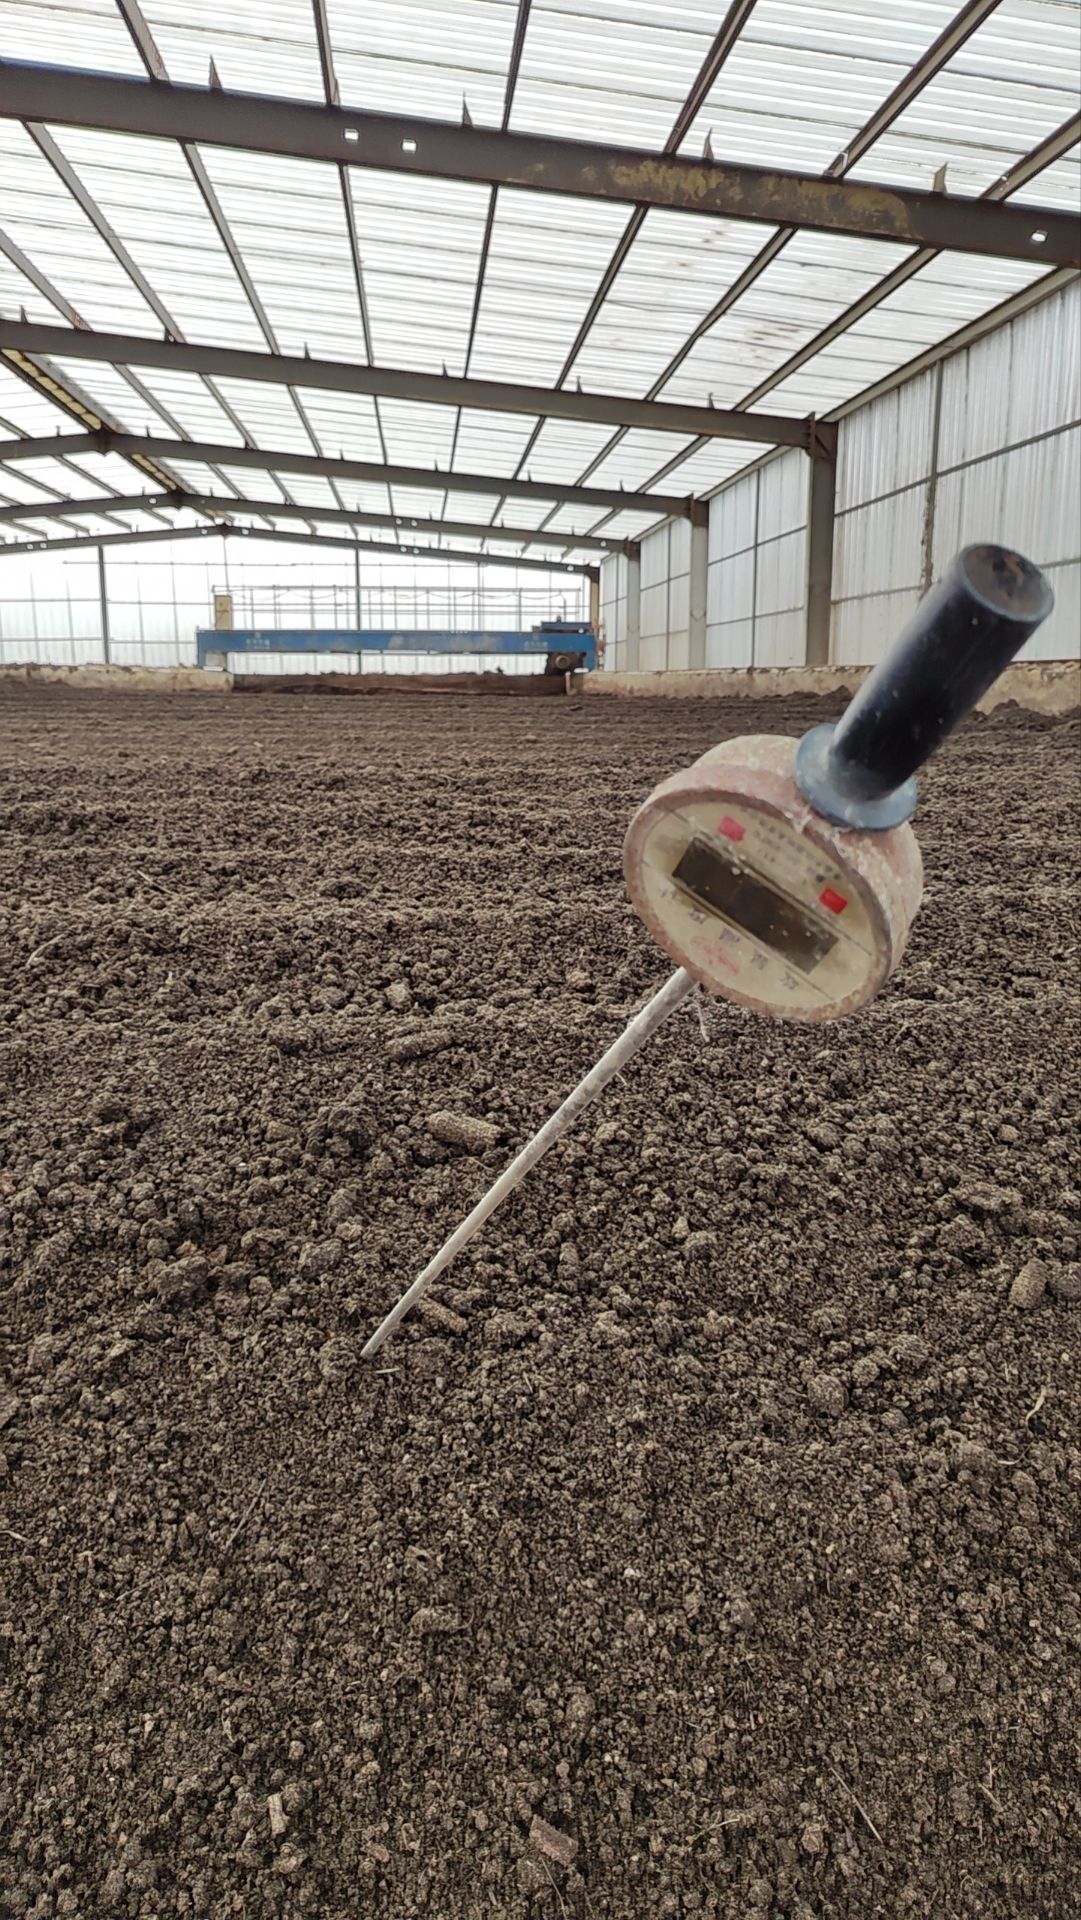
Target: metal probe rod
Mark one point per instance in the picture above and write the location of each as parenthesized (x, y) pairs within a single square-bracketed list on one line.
[(641, 1028)]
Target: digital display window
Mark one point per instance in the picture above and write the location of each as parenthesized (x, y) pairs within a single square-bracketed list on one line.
[(715, 882)]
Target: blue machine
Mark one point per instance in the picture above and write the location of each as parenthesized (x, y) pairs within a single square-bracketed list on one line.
[(568, 645)]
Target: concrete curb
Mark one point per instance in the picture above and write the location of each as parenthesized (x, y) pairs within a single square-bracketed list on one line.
[(1044, 686)]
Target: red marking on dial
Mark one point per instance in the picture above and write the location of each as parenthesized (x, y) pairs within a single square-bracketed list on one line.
[(835, 902), (731, 828)]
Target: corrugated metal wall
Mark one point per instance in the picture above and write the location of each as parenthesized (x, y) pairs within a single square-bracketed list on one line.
[(986, 445), (614, 612), (666, 596)]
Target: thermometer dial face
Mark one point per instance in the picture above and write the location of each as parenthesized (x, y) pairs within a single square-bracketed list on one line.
[(760, 899)]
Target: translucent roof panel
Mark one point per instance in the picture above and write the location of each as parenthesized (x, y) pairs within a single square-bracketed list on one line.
[(813, 280), (943, 297), (546, 257), (696, 466), (1015, 80), (424, 56), (112, 397), (676, 272), (636, 456), (564, 446), (534, 515), (802, 80), (420, 242), (25, 410), (612, 70), (29, 31), (1057, 186), (269, 415), (198, 478), (492, 442), (259, 256), (257, 46), (44, 220), (20, 488), (342, 422), (107, 472), (30, 479), (416, 435), (287, 219), (145, 190)]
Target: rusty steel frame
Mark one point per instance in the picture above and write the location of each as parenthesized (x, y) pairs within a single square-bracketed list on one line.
[(26, 338), (870, 210)]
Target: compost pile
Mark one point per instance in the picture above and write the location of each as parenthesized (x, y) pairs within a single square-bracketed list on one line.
[(707, 1546)]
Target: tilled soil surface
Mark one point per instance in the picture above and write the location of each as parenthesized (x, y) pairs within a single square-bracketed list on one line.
[(719, 1519)]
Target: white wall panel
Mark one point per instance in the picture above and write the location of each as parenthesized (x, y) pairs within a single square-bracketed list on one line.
[(52, 652), (654, 611), (780, 583), (730, 645), (614, 612), (887, 444), (863, 629), (782, 495), (778, 639), (655, 558), (679, 547), (679, 633), (731, 589), (1026, 498), (732, 516), (1060, 635), (1013, 384), (1017, 383), (879, 547)]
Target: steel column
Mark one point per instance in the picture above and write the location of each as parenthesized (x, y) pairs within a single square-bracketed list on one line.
[(103, 601), (593, 170), (698, 585), (634, 610), (821, 496)]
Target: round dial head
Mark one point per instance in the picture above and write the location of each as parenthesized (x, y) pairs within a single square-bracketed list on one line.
[(760, 899)]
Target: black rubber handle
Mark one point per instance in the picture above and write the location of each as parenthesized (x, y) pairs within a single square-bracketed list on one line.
[(962, 635)]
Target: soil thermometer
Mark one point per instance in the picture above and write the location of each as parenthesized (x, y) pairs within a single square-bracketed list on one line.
[(782, 874)]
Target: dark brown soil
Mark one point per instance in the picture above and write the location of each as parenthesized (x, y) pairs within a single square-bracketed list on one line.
[(722, 1522)]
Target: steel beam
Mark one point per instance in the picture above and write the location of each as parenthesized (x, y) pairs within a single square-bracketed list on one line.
[(19, 338), (968, 19), (412, 526), (421, 553), (226, 505), (431, 479), (150, 55), (88, 542), (1049, 150), (73, 400), (399, 144), (100, 504)]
